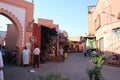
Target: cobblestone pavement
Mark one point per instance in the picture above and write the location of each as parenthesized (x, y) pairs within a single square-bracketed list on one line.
[(74, 67)]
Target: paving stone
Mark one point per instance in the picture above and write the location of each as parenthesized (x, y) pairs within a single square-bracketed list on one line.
[(74, 66)]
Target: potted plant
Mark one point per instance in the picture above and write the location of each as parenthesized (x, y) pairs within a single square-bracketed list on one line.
[(90, 73), (95, 72)]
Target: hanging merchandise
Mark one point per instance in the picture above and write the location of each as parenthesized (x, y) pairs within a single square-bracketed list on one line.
[(90, 44)]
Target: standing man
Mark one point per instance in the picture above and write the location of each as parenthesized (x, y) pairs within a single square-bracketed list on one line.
[(1, 67), (85, 52), (3, 51), (36, 54), (61, 53), (25, 56)]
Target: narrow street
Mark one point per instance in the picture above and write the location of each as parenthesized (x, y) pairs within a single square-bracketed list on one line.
[(74, 67)]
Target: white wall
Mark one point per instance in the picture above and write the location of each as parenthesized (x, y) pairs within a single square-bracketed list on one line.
[(18, 12)]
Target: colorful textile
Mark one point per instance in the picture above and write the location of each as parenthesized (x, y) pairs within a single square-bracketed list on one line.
[(90, 44)]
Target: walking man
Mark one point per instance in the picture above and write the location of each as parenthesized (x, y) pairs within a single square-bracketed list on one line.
[(36, 54)]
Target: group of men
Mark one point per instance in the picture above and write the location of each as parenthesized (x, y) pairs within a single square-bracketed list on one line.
[(26, 54), (90, 52), (25, 58)]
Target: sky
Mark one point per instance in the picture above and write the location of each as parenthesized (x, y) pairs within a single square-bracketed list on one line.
[(3, 23), (70, 15)]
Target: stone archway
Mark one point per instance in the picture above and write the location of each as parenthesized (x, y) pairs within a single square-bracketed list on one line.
[(19, 28)]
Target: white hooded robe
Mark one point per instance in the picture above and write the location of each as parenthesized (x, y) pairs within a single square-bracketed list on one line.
[(1, 65)]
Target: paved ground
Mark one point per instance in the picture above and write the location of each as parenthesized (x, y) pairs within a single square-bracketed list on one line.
[(74, 66)]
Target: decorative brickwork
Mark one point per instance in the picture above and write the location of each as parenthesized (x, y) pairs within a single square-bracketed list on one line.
[(18, 25)]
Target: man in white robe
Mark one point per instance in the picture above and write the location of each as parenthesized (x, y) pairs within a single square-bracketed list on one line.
[(25, 56), (1, 67)]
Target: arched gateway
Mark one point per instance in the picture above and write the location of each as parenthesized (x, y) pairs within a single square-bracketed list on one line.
[(20, 12)]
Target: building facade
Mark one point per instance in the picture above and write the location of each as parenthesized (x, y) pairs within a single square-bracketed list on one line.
[(76, 44), (11, 38), (45, 34), (104, 23), (2, 37), (20, 12)]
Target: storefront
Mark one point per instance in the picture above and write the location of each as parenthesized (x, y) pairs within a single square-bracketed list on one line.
[(47, 39)]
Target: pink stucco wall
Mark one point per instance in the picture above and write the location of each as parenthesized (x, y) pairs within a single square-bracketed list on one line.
[(12, 9), (47, 22), (104, 19)]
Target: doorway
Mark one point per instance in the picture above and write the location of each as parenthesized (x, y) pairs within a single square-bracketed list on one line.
[(9, 38)]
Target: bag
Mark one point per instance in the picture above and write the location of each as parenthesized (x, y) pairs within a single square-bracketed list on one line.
[(66, 55)]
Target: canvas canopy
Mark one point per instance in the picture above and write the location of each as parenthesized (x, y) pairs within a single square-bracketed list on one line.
[(90, 44)]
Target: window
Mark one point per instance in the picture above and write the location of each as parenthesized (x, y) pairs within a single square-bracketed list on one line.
[(97, 23), (101, 44)]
